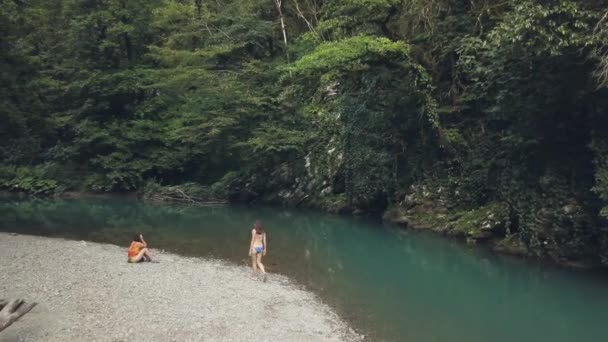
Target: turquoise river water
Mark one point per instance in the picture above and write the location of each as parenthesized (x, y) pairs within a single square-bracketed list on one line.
[(390, 284)]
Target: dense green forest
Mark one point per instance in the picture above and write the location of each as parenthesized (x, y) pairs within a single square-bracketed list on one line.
[(483, 119)]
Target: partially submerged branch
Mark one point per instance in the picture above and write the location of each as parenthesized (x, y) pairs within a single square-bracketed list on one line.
[(186, 193)]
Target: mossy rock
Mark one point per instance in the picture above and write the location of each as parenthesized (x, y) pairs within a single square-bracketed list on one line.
[(481, 223), (335, 204), (511, 245), (396, 215), (419, 217)]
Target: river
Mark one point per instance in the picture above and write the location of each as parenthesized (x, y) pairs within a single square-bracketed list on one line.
[(390, 284)]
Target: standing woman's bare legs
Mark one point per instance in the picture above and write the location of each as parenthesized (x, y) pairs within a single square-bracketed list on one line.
[(260, 265), (254, 263), (259, 262)]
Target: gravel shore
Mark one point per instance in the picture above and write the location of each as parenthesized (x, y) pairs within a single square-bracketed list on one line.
[(88, 292)]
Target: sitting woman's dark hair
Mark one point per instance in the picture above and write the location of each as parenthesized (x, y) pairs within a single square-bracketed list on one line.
[(137, 238)]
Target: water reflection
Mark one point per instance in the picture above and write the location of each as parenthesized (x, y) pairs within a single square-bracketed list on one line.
[(394, 285)]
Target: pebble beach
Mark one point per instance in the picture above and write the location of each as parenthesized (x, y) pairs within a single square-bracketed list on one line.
[(88, 292)]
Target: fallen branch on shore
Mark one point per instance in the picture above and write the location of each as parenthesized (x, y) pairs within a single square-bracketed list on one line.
[(187, 193), (12, 311)]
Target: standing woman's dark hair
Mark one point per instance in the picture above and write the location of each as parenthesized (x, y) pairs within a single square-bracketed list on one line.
[(259, 229)]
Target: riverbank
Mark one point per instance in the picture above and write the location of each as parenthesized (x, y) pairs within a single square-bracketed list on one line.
[(493, 225), (87, 291)]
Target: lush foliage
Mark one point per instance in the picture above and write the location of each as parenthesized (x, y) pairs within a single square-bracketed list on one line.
[(345, 105)]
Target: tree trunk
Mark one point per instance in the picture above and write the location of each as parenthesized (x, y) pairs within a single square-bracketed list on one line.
[(128, 48), (301, 15), (280, 10), (12, 311)]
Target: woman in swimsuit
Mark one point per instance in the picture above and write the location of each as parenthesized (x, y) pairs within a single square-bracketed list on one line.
[(258, 247), (138, 251)]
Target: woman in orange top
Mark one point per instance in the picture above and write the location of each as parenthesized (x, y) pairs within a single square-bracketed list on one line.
[(138, 251)]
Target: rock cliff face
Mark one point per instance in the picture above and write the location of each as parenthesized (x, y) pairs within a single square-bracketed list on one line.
[(431, 209), (316, 180), (498, 225)]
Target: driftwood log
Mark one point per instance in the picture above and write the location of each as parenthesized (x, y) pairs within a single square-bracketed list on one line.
[(12, 311), (180, 194)]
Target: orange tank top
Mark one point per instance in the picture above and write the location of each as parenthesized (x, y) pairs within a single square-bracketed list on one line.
[(134, 249)]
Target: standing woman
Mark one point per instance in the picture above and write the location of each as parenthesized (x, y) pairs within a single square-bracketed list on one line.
[(258, 247)]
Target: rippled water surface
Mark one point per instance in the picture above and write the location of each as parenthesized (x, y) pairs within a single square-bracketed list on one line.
[(390, 284)]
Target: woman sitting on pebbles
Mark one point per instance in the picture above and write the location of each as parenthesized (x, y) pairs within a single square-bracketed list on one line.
[(257, 247), (138, 251)]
